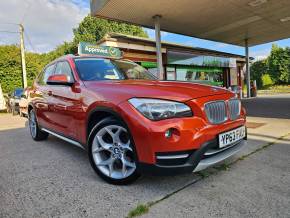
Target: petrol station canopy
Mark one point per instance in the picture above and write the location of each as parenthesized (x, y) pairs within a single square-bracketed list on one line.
[(228, 21)]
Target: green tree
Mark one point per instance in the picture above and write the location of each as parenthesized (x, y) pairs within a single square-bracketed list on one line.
[(279, 64), (63, 49), (10, 66), (34, 64), (92, 29), (267, 81), (258, 69)]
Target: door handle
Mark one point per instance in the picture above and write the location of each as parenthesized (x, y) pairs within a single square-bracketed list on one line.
[(49, 93), (60, 107)]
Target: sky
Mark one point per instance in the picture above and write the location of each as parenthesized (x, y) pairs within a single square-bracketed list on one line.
[(48, 23)]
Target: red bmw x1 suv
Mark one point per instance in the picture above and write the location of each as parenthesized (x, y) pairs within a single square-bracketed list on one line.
[(132, 124)]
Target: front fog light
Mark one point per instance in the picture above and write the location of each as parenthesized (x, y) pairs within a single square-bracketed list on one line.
[(168, 133)]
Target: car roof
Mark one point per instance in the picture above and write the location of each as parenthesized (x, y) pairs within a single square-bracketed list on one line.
[(72, 57)]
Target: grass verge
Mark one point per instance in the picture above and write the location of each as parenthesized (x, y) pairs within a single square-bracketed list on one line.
[(275, 90), (139, 210)]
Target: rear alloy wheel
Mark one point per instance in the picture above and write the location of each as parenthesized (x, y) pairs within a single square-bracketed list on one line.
[(14, 112), (36, 133), (111, 152)]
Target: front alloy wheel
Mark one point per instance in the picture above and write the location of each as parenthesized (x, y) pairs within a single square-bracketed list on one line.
[(111, 152)]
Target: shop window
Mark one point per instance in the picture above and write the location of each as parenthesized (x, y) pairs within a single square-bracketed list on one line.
[(205, 76), (170, 73)]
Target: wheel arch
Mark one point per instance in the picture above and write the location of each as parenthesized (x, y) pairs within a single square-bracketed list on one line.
[(99, 113), (30, 107)]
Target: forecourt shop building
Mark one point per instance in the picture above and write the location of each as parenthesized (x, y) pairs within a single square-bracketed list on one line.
[(180, 62), (238, 22)]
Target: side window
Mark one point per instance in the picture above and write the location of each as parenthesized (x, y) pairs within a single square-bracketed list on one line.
[(64, 68), (45, 74)]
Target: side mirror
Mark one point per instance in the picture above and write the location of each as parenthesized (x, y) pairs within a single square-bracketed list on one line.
[(60, 79)]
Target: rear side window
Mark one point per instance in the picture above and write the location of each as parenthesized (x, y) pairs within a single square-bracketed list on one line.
[(64, 68), (45, 74)]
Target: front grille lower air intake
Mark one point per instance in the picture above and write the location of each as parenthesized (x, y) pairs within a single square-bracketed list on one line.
[(216, 112)]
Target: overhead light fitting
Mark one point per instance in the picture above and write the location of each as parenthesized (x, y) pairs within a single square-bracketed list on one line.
[(285, 19), (257, 3)]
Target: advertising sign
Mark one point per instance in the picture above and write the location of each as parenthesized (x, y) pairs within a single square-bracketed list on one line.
[(85, 48)]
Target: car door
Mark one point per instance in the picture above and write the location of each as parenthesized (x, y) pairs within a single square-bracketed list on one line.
[(41, 97), (63, 100)]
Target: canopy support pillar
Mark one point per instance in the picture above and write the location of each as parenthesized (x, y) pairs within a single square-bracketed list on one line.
[(158, 47), (248, 73)]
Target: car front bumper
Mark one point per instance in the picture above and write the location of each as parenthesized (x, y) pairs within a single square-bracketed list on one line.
[(190, 135), (207, 155)]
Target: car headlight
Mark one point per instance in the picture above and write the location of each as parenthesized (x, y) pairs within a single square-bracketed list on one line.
[(156, 109)]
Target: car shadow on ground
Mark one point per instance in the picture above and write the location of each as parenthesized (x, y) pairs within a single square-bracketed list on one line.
[(75, 151), (63, 148)]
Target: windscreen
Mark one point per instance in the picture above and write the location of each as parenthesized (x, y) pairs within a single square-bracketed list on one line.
[(94, 69)]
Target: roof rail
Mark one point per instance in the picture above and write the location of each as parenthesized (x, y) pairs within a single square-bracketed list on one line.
[(65, 56)]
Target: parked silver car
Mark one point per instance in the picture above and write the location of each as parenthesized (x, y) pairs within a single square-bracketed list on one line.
[(14, 100)]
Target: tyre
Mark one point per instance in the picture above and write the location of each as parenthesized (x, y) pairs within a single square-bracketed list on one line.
[(9, 109), (111, 152), (36, 133), (14, 112)]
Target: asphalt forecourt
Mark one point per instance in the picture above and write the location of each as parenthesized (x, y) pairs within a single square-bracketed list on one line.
[(54, 178)]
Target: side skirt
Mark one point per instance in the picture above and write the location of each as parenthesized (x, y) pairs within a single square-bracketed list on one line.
[(71, 141)]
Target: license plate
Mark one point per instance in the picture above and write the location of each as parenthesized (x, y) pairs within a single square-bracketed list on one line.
[(230, 137)]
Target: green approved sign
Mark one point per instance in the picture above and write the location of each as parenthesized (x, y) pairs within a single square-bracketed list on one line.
[(103, 51)]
